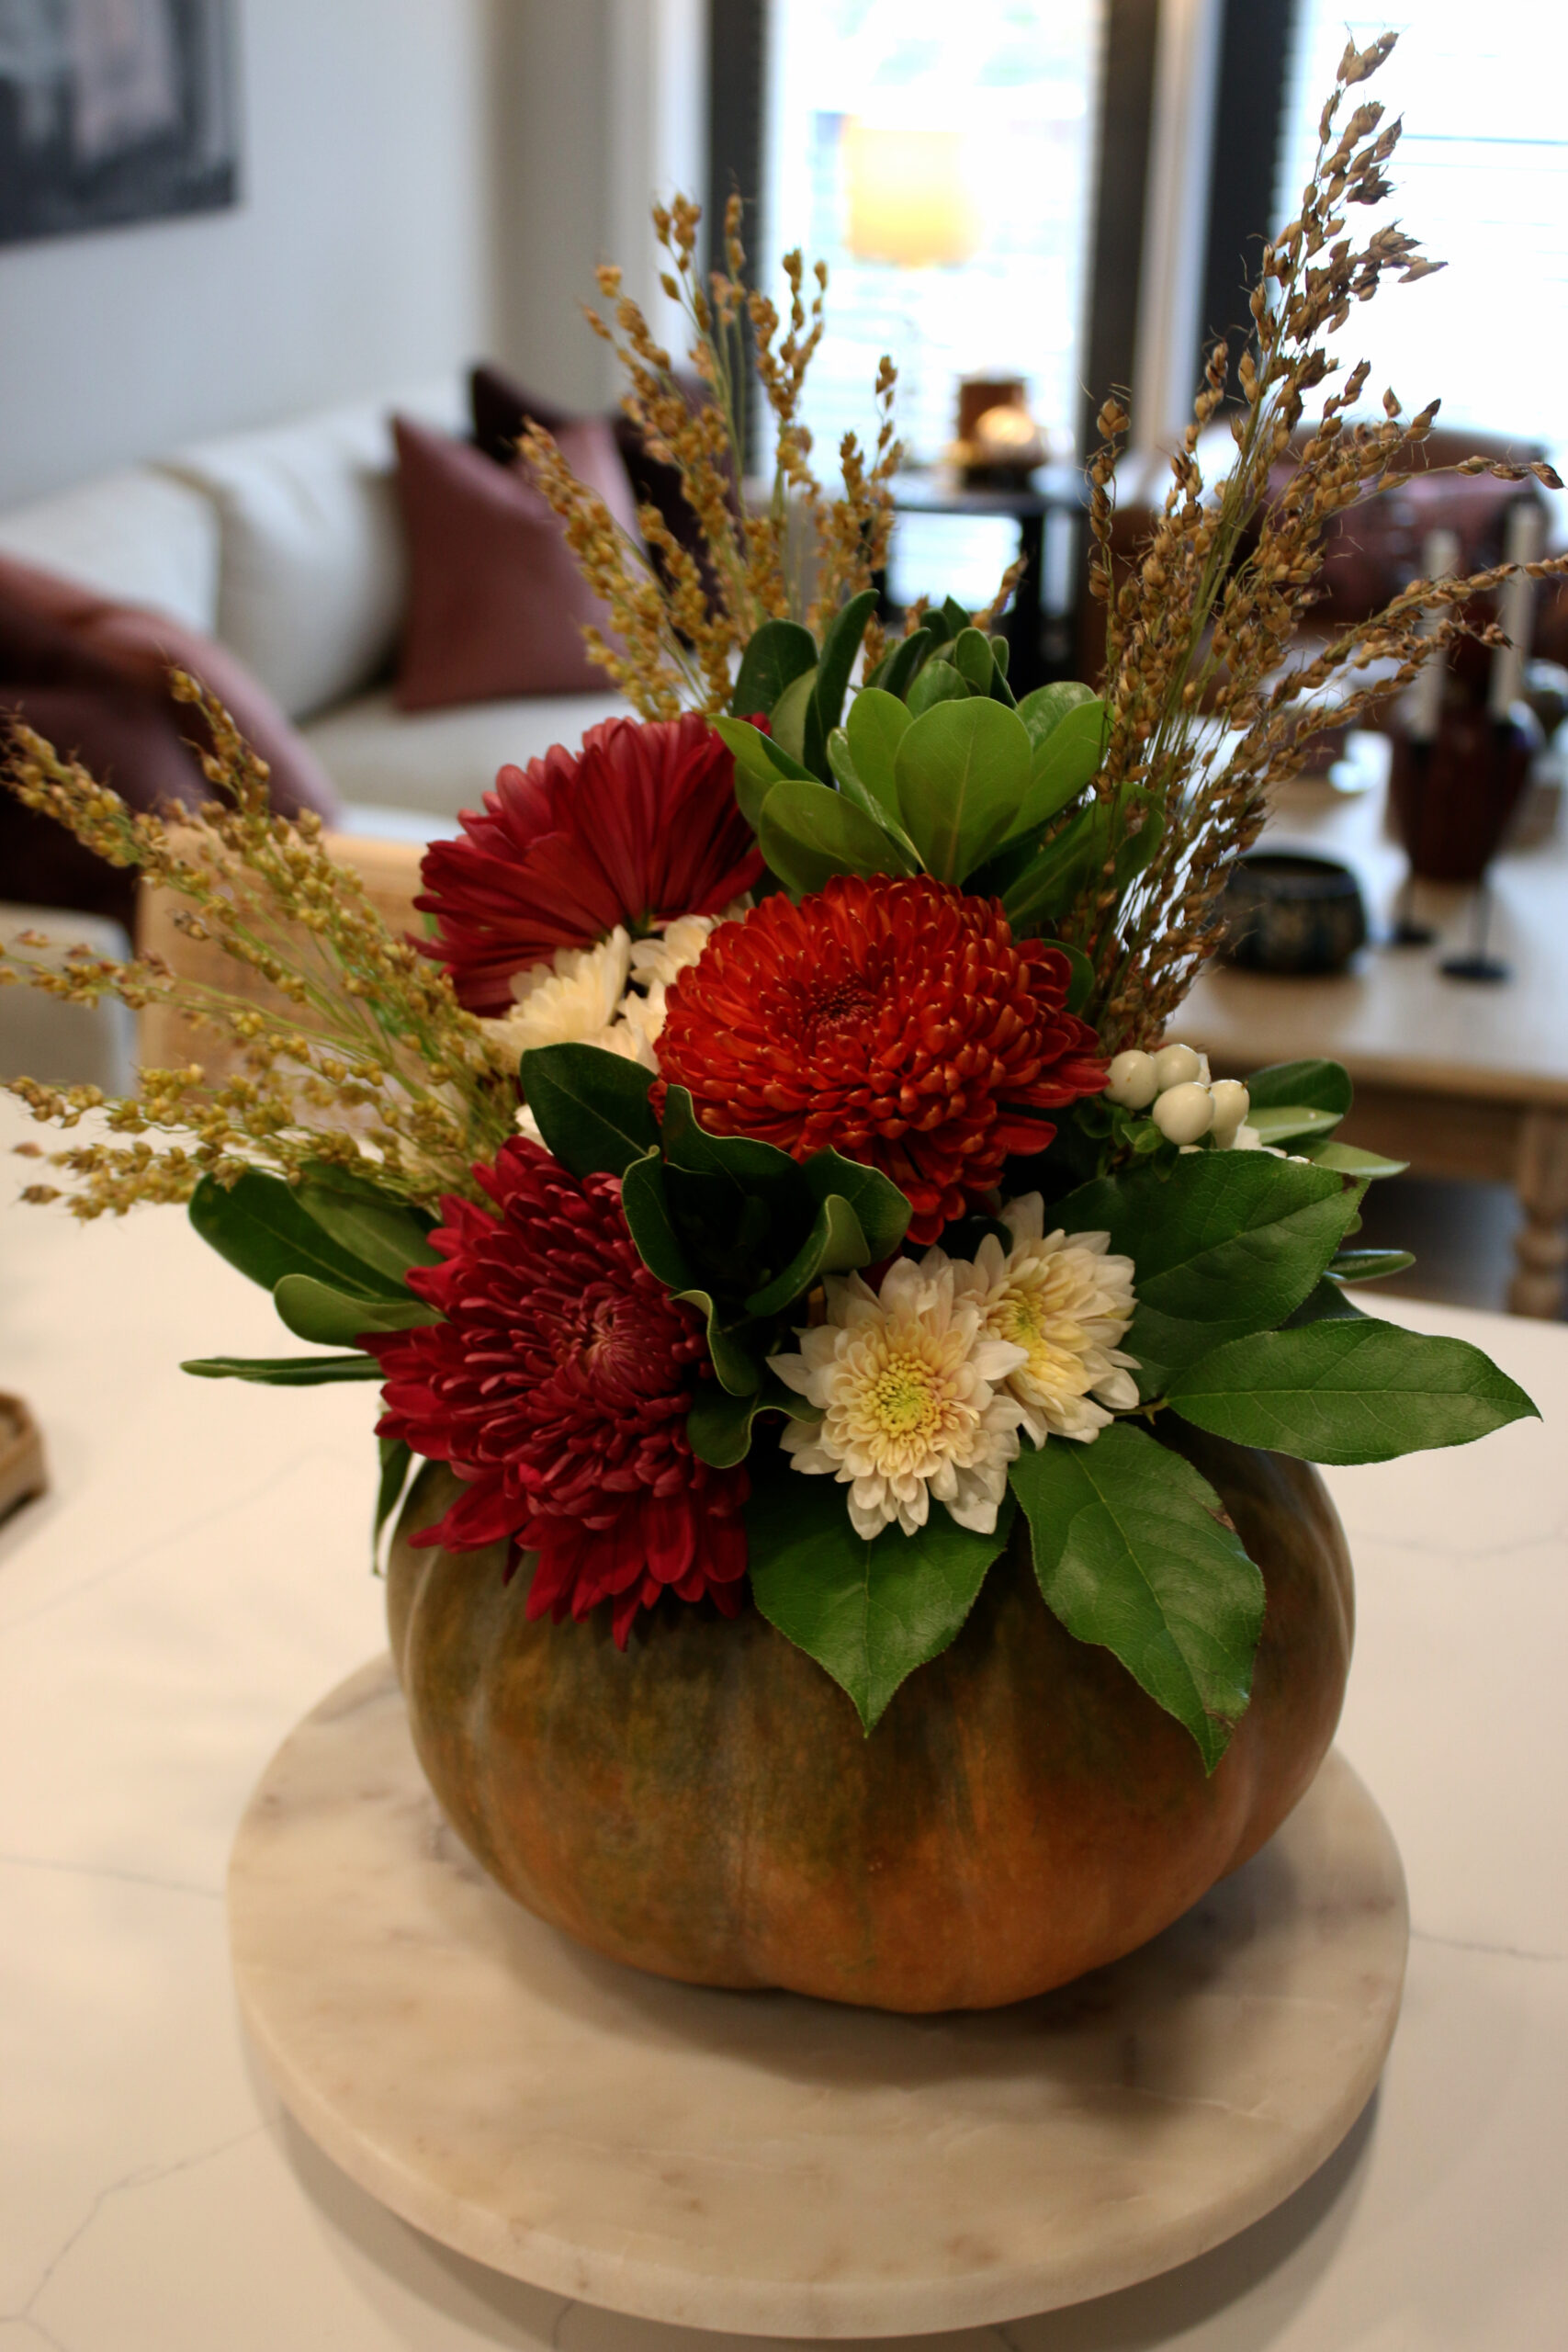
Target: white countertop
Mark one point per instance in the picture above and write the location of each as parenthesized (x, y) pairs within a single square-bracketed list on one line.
[(198, 1577)]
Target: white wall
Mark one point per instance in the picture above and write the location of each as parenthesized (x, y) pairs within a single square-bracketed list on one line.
[(362, 253)]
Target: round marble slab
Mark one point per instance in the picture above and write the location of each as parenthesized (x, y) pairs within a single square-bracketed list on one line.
[(765, 2164)]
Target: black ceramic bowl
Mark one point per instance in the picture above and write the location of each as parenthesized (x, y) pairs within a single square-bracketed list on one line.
[(1285, 911)]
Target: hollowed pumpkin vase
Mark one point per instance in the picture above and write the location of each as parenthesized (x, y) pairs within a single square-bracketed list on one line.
[(704, 1804)]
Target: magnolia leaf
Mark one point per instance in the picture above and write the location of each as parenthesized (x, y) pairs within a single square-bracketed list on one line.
[(1318, 1085), (1134, 1552), (1223, 1243), (335, 1319), (1368, 1265), (1283, 1123), (869, 1613), (834, 1244), (881, 1208), (938, 682), (1349, 1159), (259, 1225), (1062, 763), (807, 834), (720, 1427), (591, 1107), (284, 1372), (960, 770), (776, 656), (1348, 1389), (788, 717)]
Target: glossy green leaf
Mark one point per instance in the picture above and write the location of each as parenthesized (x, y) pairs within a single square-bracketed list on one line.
[(1134, 1552), (1223, 1243), (336, 1318), (375, 1231), (759, 764), (1286, 1122), (875, 726), (896, 674), (839, 647), (1043, 710), (259, 1225), (1348, 1389), (807, 834), (1318, 1085), (1324, 1298), (732, 1336), (834, 1246), (591, 1107), (869, 1613), (960, 770), (780, 652), (284, 1372), (788, 719), (645, 1207), (880, 1207), (1349, 1159), (938, 682), (1368, 1265), (972, 659), (1062, 764), (750, 1164), (720, 1427), (851, 783)]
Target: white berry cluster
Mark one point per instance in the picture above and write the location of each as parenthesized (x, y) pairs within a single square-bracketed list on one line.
[(1185, 1104)]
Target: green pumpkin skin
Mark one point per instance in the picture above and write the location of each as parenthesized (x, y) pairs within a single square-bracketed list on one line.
[(705, 1804)]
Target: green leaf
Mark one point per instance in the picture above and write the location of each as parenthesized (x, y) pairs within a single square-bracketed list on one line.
[(375, 1231), (1063, 762), (284, 1372), (1223, 1243), (1347, 1390), (1285, 1122), (260, 1227), (834, 1244), (780, 652), (396, 1465), (759, 764), (938, 682), (880, 1206), (1349, 1159), (876, 725), (591, 1107), (335, 1319), (840, 759), (1048, 885), (731, 1335), (869, 1613), (1368, 1265), (750, 1165), (1326, 1299), (645, 1207), (719, 1427), (839, 647), (954, 616), (1134, 1552), (1043, 711), (973, 661), (789, 714), (1082, 979), (896, 672), (808, 833), (1319, 1085), (960, 772)]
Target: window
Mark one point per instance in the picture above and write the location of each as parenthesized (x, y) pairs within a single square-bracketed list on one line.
[(1482, 181)]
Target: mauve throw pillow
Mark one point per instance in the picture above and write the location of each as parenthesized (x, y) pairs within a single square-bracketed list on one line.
[(91, 676), (496, 606)]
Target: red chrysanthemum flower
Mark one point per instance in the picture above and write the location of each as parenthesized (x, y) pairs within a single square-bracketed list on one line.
[(638, 827), (557, 1387), (897, 1021)]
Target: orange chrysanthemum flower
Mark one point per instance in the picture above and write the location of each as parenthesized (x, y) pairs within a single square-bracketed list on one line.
[(899, 1021)]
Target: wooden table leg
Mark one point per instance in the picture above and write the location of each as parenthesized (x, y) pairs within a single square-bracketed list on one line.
[(1540, 1246)]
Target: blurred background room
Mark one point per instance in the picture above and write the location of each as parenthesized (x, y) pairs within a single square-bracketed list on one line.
[(281, 279)]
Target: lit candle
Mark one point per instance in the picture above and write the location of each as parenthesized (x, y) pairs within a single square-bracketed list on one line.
[(1521, 546)]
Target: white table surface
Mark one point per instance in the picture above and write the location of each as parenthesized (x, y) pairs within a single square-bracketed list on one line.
[(197, 1577)]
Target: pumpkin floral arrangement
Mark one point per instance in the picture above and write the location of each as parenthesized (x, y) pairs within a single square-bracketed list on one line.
[(767, 1185)]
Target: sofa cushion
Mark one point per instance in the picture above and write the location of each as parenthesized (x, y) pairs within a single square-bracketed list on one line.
[(137, 536), (496, 606), (91, 676), (443, 761), (312, 576)]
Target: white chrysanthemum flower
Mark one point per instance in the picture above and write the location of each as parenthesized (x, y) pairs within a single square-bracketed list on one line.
[(1063, 1301), (906, 1380)]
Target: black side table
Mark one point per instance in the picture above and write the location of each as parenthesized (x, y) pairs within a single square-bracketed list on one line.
[(1042, 639)]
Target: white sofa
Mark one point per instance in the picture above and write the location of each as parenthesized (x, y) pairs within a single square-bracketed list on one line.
[(285, 545)]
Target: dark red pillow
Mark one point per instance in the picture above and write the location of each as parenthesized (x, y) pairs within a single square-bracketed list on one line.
[(91, 676), (496, 606)]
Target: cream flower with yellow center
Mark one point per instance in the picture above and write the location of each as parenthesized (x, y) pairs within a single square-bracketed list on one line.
[(907, 1381), (1063, 1301)]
